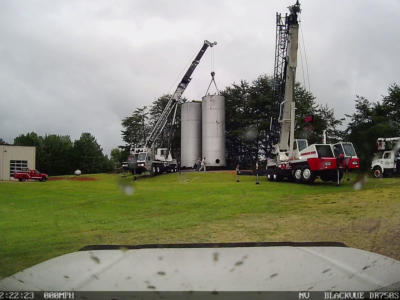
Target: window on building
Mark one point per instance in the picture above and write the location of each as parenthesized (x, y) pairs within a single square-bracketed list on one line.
[(18, 165)]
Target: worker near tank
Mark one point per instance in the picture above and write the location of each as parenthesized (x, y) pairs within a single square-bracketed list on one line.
[(197, 164), (203, 164)]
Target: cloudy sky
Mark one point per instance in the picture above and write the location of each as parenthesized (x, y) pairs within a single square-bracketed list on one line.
[(68, 67)]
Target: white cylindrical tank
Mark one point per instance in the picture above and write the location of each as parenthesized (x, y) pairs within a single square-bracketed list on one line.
[(190, 133), (213, 130)]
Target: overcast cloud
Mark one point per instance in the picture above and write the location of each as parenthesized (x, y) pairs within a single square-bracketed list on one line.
[(68, 67)]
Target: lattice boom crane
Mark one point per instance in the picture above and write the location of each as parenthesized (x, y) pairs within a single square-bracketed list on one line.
[(290, 158), (156, 161)]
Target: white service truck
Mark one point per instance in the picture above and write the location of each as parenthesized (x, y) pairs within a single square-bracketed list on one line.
[(386, 161)]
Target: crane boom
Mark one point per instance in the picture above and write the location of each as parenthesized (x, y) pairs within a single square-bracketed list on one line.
[(286, 116), (176, 97), (284, 76)]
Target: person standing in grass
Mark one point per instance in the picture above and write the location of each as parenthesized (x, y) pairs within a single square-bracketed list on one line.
[(203, 164)]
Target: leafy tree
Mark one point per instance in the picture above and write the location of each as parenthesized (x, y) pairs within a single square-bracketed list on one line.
[(88, 155), (174, 131), (108, 164), (138, 126), (248, 115), (118, 155), (391, 104), (323, 118), (235, 122), (29, 139), (135, 127), (32, 139), (2, 142), (56, 155), (372, 120)]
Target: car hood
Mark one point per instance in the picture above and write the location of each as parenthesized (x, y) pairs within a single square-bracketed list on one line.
[(212, 267)]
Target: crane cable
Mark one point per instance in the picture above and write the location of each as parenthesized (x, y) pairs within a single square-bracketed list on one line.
[(302, 68), (305, 57), (212, 60), (212, 81)]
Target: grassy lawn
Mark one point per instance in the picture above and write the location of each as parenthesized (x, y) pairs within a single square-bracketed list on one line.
[(39, 221)]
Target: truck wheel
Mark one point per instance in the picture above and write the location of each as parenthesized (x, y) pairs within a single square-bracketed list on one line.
[(43, 179), (276, 175), (19, 179), (152, 171), (377, 171), (23, 179), (307, 175), (269, 175), (297, 174)]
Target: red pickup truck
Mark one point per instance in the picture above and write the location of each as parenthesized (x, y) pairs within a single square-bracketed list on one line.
[(30, 175)]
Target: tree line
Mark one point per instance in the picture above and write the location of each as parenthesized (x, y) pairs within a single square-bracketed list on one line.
[(59, 155), (371, 120), (248, 114)]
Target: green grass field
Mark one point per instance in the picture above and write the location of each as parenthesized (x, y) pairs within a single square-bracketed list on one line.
[(39, 221)]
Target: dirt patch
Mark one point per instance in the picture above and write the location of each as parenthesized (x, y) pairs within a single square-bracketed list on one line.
[(56, 178)]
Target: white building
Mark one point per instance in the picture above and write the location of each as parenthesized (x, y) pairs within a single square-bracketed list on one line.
[(15, 158)]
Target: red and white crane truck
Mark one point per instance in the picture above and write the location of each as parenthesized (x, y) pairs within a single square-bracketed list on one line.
[(290, 158)]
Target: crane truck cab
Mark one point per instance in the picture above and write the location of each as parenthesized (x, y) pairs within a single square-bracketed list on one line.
[(386, 161), (347, 155), (317, 160), (306, 164), (146, 160)]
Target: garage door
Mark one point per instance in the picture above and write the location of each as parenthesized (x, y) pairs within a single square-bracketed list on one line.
[(17, 165)]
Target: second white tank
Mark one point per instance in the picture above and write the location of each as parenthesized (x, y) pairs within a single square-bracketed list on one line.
[(190, 133), (213, 130)]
